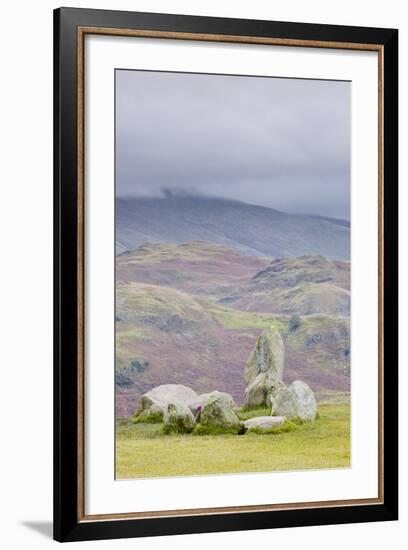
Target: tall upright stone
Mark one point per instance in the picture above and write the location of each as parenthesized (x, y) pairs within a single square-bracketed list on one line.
[(264, 367)]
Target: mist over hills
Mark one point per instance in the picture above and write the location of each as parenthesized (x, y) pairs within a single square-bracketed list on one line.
[(198, 278), (252, 230)]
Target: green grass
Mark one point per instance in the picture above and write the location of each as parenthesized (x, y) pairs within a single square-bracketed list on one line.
[(235, 319), (246, 413), (152, 418), (142, 450), (217, 430), (168, 429)]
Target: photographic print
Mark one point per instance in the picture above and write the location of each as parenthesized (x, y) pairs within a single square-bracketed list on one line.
[(232, 315), (225, 274)]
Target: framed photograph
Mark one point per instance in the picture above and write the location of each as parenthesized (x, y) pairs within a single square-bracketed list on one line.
[(225, 274)]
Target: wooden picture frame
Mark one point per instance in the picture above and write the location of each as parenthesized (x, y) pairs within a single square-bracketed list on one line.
[(70, 519)]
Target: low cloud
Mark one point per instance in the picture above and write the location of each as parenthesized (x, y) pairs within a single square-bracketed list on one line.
[(282, 143)]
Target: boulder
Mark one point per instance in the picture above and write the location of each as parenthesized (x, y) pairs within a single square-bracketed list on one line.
[(264, 422), (264, 367), (294, 401), (178, 418), (153, 410), (257, 390), (156, 400), (218, 411), (282, 401), (197, 405), (305, 400)]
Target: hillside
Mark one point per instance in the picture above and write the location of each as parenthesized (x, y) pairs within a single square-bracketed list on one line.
[(173, 327), (198, 267), (302, 286), (250, 229)]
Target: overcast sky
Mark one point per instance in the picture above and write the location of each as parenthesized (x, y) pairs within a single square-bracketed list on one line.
[(282, 143)]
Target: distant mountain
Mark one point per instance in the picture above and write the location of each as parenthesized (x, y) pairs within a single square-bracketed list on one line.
[(250, 229)]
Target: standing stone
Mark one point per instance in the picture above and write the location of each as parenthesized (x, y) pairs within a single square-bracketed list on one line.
[(305, 400), (264, 367), (219, 412), (178, 418), (294, 401), (257, 390), (282, 401)]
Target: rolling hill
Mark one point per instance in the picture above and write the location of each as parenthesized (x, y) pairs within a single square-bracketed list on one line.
[(197, 267), (303, 286), (191, 314)]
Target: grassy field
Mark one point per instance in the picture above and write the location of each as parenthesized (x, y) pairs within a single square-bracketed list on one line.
[(142, 450)]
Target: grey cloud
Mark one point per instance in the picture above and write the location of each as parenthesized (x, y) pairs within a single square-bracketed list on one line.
[(282, 143)]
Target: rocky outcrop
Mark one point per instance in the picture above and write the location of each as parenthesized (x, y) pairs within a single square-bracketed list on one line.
[(257, 391), (181, 408), (156, 401), (218, 411), (178, 418), (294, 401), (264, 423), (305, 400), (282, 401), (197, 405), (264, 367), (263, 377)]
